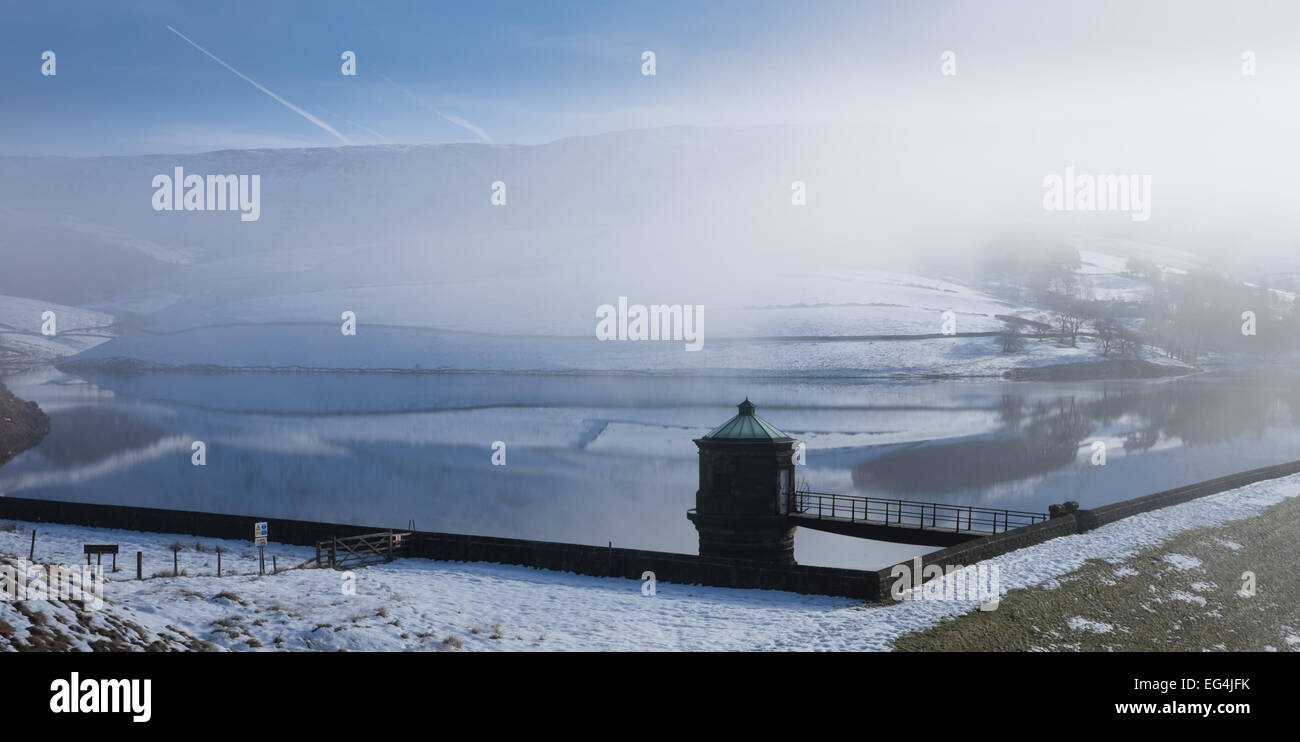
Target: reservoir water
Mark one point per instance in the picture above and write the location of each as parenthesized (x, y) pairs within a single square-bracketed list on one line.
[(598, 459)]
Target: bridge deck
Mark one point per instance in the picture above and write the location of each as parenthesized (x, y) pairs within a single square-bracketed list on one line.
[(902, 521)]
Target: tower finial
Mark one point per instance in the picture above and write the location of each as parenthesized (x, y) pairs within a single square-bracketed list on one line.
[(746, 407)]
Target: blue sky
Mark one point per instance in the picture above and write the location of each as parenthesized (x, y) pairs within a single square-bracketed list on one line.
[(531, 71), (522, 72)]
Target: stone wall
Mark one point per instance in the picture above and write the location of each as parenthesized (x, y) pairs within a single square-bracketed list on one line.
[(604, 561), (598, 561)]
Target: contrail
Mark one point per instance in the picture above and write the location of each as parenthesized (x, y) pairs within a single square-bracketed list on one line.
[(457, 120), (347, 120), (255, 84)]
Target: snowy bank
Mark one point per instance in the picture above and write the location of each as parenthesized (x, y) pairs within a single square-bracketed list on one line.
[(422, 605)]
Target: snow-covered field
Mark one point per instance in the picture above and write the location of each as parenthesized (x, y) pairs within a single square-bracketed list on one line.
[(23, 343), (323, 347), (509, 323), (422, 605)]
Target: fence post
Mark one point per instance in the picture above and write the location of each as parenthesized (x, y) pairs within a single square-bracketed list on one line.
[(334, 544), (389, 555), (317, 555), (218, 564), (275, 568), (139, 565), (31, 556)]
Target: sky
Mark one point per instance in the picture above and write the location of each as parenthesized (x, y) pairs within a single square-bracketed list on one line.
[(538, 70), (520, 72), (1144, 87)]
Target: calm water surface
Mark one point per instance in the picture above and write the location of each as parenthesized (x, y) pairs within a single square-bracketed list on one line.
[(600, 459)]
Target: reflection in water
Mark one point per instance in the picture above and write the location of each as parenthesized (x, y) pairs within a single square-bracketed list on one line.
[(83, 435), (1041, 435), (600, 459)]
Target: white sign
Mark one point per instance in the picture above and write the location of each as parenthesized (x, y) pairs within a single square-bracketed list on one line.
[(259, 534)]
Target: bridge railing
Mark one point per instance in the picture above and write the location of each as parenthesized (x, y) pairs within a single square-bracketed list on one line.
[(905, 513)]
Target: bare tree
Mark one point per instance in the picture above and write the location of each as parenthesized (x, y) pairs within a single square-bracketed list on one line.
[(1108, 332), (1011, 339), (1069, 320), (1127, 343)]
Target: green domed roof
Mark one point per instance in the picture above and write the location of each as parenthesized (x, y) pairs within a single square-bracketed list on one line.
[(747, 427)]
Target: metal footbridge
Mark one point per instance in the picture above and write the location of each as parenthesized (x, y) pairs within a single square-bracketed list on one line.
[(902, 521)]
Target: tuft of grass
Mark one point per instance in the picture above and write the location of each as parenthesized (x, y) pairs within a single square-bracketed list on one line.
[(497, 632), (452, 642), (231, 597), (9, 527)]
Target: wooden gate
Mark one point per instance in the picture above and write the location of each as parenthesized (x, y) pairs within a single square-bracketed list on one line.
[(359, 551)]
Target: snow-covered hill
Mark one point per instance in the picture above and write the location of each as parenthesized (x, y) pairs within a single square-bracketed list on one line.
[(22, 342), (408, 239)]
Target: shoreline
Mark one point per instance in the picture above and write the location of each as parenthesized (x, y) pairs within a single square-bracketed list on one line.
[(23, 425), (1098, 370)]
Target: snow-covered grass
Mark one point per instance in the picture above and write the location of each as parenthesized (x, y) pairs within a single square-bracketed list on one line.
[(1106, 278), (1189, 591), (21, 340), (423, 605), (1183, 562), (1079, 623)]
